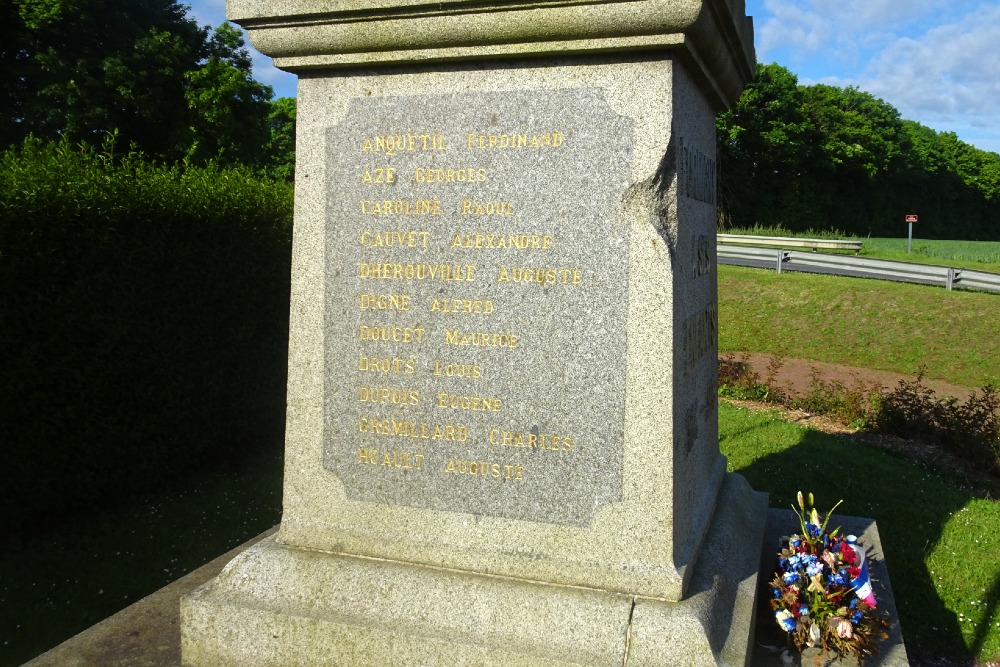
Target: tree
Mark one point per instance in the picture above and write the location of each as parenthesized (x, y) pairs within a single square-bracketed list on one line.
[(229, 109), (803, 157), (858, 139), (856, 132), (763, 148), (280, 152), (84, 68), (72, 64)]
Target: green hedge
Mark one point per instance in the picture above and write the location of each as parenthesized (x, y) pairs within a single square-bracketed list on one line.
[(144, 313)]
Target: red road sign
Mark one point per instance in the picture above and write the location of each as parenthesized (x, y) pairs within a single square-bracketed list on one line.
[(911, 218)]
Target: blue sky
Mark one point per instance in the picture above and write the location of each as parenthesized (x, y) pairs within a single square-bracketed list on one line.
[(937, 61)]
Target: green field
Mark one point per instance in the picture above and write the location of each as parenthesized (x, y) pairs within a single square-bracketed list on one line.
[(978, 255), (901, 327), (940, 535), (940, 530)]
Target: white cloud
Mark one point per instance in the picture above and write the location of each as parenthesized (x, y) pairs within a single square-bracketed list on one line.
[(841, 30), (937, 61), (790, 26), (950, 73)]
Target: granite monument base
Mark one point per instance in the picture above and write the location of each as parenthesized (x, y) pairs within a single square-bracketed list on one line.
[(279, 605)]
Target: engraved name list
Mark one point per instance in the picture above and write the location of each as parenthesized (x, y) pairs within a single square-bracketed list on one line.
[(474, 303)]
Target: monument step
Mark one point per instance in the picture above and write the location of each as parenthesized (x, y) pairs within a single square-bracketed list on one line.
[(281, 606)]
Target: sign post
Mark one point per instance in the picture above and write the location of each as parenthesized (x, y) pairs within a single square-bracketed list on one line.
[(910, 219)]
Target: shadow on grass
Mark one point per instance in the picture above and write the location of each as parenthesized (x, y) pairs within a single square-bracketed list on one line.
[(911, 504), (70, 576)]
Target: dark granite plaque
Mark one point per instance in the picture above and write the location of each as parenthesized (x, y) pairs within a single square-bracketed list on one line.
[(476, 302)]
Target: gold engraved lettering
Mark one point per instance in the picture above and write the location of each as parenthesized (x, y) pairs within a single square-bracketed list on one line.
[(392, 428), (442, 272), (379, 175), (514, 140), (480, 338), (472, 403), (531, 440), (477, 306), (394, 239), (540, 275), (397, 365), (405, 460), (502, 242), (392, 395), (481, 208), (390, 144), (471, 371), (449, 175), (401, 207), (394, 334), (489, 469), (384, 301)]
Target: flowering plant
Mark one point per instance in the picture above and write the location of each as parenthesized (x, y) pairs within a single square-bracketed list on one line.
[(822, 595)]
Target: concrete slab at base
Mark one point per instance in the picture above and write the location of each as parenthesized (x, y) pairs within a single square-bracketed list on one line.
[(277, 605), (771, 641)]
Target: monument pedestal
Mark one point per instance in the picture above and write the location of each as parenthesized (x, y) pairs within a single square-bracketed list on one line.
[(502, 439), (280, 605)]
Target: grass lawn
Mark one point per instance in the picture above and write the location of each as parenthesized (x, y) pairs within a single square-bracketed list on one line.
[(65, 580), (940, 536), (875, 324)]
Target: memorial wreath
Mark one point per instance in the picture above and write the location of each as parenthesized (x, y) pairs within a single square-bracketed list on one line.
[(822, 593)]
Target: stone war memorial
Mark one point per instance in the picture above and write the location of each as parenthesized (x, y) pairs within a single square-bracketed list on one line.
[(502, 440)]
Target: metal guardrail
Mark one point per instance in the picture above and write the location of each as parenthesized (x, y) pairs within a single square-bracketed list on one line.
[(815, 244), (980, 280), (844, 265), (775, 256)]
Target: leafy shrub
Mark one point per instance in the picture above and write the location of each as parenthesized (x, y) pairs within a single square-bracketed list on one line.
[(145, 322), (909, 410), (855, 405), (737, 380), (972, 428), (969, 429)]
